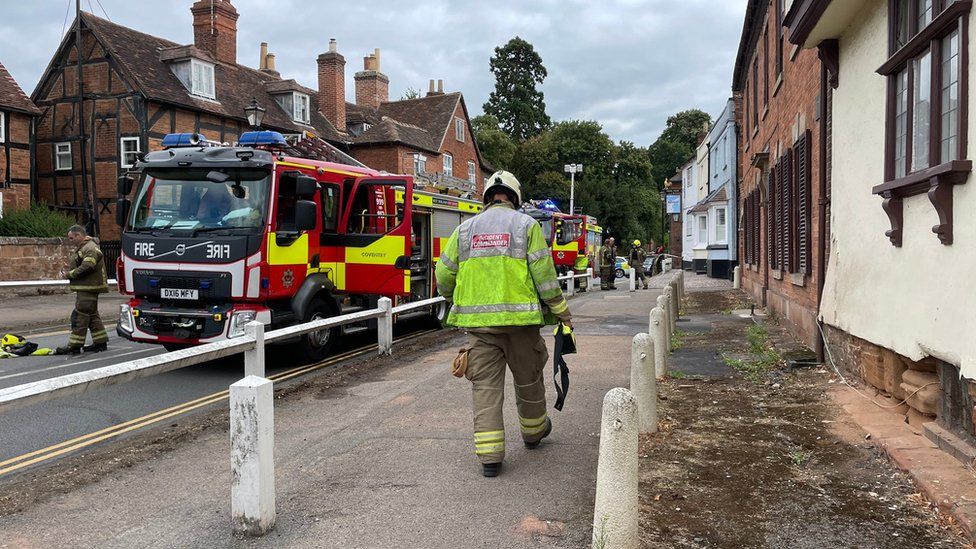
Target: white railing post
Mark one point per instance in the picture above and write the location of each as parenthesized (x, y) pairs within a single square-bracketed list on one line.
[(254, 357), (384, 328), (633, 279), (252, 456), (589, 278), (572, 283), (643, 382), (657, 327), (615, 510)]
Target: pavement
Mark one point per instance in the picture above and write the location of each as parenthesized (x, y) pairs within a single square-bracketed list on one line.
[(385, 460)]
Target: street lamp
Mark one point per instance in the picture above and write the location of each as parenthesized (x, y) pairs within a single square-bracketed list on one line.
[(255, 114), (664, 214), (572, 170)]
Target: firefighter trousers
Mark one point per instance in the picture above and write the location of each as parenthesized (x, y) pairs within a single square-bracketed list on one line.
[(85, 317), (524, 351), (607, 278), (639, 277)]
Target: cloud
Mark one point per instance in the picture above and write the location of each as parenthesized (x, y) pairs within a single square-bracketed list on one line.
[(628, 64)]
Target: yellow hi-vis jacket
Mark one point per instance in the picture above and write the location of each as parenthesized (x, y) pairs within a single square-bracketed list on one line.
[(498, 271)]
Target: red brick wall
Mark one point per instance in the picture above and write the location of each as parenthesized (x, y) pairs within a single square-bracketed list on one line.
[(33, 258), (217, 33), (462, 151), (372, 88), (15, 162), (792, 106), (332, 90)]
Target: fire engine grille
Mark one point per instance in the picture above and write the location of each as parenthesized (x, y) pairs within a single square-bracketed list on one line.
[(210, 286)]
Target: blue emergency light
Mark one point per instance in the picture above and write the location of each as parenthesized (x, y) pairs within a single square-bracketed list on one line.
[(265, 138), (176, 140)]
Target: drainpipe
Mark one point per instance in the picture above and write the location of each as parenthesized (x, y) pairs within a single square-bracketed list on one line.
[(822, 203)]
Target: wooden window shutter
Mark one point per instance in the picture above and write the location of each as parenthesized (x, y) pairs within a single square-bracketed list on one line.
[(772, 220), (789, 223), (803, 152), (757, 227)]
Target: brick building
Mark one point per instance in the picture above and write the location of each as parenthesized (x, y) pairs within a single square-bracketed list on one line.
[(781, 240), (137, 88), (17, 116)]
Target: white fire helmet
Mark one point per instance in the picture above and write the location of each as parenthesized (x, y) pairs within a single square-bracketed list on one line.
[(506, 180)]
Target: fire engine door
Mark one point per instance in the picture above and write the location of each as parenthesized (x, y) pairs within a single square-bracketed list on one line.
[(377, 236)]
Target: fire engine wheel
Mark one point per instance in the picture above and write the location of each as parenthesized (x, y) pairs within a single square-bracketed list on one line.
[(318, 345)]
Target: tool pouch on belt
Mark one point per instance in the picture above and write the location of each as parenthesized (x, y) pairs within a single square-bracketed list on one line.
[(565, 344), (460, 365)]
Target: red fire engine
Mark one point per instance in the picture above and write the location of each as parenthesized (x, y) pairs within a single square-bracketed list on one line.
[(217, 236)]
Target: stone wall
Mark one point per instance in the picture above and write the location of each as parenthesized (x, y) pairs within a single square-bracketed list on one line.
[(33, 259)]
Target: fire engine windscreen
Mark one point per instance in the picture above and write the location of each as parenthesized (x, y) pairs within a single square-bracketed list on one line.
[(192, 199)]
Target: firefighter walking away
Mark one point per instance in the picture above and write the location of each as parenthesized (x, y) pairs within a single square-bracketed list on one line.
[(636, 259), (87, 279), (497, 271)]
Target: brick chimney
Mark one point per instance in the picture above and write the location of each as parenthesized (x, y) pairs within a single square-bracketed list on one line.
[(372, 86), (332, 86), (215, 29)]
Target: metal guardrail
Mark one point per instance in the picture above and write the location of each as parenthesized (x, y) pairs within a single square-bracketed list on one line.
[(29, 283)]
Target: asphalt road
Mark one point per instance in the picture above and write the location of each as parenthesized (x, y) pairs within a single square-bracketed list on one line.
[(36, 435)]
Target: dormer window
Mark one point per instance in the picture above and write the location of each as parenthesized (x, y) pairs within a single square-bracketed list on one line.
[(202, 79), (296, 105)]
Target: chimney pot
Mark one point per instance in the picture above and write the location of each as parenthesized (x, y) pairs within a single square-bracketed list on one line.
[(430, 89), (263, 63), (333, 47), (372, 86), (440, 86), (269, 63)]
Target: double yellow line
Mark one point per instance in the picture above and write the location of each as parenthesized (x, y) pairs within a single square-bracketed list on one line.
[(38, 456)]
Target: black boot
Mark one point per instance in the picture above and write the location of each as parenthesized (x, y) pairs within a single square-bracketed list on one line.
[(534, 445), (96, 347), (66, 350), (491, 469)]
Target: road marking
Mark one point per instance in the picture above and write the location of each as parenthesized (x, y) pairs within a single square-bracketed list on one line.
[(37, 456), (69, 364)]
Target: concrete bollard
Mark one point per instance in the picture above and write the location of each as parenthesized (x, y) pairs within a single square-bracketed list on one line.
[(657, 327), (254, 358), (681, 284), (252, 456), (736, 277), (665, 307), (633, 279), (384, 327), (643, 382), (590, 284), (615, 511), (673, 307)]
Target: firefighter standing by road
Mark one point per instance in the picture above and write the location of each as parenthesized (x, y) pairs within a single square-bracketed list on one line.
[(608, 263), (87, 279), (580, 266), (637, 257), (497, 270)]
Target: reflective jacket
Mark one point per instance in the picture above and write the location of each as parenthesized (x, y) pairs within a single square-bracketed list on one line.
[(87, 272), (608, 259), (637, 257), (582, 263), (498, 271)]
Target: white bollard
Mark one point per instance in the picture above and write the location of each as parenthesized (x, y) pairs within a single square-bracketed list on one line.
[(254, 358), (665, 307), (657, 327), (589, 279), (672, 306), (384, 326), (736, 277), (633, 279), (615, 511), (252, 456), (643, 382)]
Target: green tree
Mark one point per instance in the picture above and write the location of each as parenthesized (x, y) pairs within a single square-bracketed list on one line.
[(666, 157), (685, 126), (516, 102), (496, 147), (410, 93)]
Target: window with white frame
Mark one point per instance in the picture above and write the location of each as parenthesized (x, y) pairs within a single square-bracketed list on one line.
[(62, 156), (703, 229), (459, 129), (689, 227), (202, 79), (301, 113), (471, 172), (448, 165), (130, 149), (419, 164), (721, 234), (3, 126)]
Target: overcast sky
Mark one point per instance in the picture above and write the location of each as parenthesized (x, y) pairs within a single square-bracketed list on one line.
[(627, 64)]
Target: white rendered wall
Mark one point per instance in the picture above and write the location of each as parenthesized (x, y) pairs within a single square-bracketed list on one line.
[(916, 300)]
